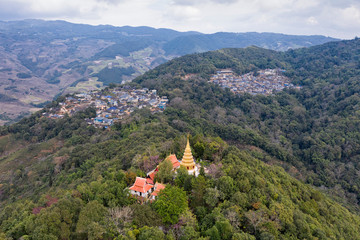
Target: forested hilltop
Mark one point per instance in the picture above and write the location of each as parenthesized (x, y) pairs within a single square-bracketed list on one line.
[(315, 129), (63, 179)]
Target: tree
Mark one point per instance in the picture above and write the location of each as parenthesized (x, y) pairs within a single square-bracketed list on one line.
[(121, 217), (212, 197), (243, 236), (170, 203), (240, 199), (215, 170), (202, 171), (187, 218), (14, 218), (256, 218), (199, 149), (144, 215), (3, 236), (151, 233), (233, 216), (266, 236), (165, 173), (198, 191), (225, 229), (183, 179), (59, 219), (48, 225), (91, 219), (95, 231), (226, 185), (213, 233), (188, 233), (146, 163), (130, 177)]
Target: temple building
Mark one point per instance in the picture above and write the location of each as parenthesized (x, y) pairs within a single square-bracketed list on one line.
[(141, 188), (157, 188), (145, 191), (175, 162), (150, 176), (188, 160), (146, 188)]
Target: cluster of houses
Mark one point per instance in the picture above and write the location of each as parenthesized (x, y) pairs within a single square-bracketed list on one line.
[(111, 105), (145, 189), (263, 82)]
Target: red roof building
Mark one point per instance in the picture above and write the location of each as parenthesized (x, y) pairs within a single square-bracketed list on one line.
[(158, 187), (150, 179), (151, 176), (174, 161), (141, 187)]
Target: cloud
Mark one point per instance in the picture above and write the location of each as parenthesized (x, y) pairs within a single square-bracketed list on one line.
[(201, 2), (312, 21), (11, 11), (22, 9), (351, 15), (326, 17), (111, 2), (182, 14)]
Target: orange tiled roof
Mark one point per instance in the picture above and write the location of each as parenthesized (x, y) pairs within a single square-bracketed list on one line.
[(158, 188), (141, 185), (149, 180), (174, 160), (151, 175)]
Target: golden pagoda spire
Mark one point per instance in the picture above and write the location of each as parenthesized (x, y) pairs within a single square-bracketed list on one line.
[(188, 159)]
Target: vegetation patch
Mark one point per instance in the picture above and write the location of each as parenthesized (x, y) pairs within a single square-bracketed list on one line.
[(113, 75), (122, 49), (6, 98), (23, 75)]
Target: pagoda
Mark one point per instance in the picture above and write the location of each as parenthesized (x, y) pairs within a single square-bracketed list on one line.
[(188, 160)]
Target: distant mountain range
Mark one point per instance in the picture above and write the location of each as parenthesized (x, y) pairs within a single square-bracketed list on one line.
[(42, 59), (206, 42)]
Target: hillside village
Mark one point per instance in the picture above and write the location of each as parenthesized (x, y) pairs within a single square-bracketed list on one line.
[(110, 105), (263, 82)]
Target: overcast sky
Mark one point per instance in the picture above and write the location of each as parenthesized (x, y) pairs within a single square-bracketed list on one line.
[(335, 18)]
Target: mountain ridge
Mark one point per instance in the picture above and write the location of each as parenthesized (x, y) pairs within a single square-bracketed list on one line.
[(62, 57)]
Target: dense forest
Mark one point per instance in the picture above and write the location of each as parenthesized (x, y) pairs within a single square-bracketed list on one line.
[(113, 75), (283, 166), (315, 129)]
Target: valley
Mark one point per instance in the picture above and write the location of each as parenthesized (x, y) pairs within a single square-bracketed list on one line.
[(44, 59)]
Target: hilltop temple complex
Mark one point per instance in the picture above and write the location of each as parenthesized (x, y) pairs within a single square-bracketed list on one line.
[(147, 189)]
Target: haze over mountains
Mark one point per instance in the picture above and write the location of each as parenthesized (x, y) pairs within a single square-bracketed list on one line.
[(42, 59)]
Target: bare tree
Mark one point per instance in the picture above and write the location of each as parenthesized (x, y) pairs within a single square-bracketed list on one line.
[(121, 217), (256, 218)]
